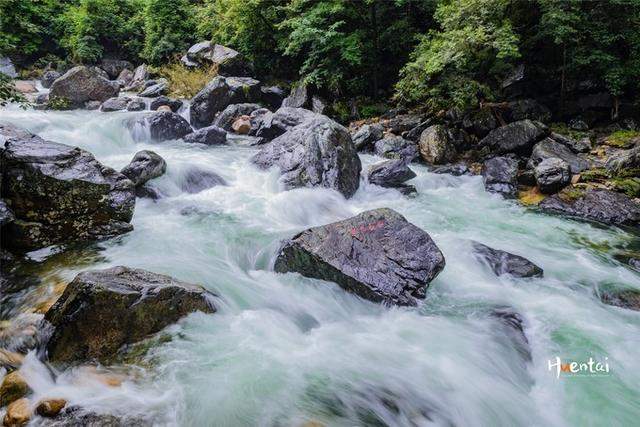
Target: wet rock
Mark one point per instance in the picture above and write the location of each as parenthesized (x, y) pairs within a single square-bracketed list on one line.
[(164, 125), (227, 61), (407, 190), (598, 205), (272, 96), (403, 123), (625, 298), (270, 126), (7, 68), (48, 78), (548, 148), (81, 84), (317, 152), (102, 310), (367, 135), (113, 67), (148, 192), (232, 112), (502, 262), (155, 90), (21, 333), (18, 413), (211, 135), (552, 175), (500, 175), (242, 125), (246, 140), (173, 104), (435, 145), (513, 325), (581, 146), (10, 360), (457, 169), (377, 255), (390, 173), (115, 104), (197, 180), (634, 263), (92, 105), (624, 159), (146, 165), (517, 137), (13, 387), (50, 408), (60, 193), (75, 416), (218, 94), (136, 104), (396, 147)]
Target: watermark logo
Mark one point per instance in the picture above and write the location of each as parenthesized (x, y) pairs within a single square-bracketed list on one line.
[(573, 368)]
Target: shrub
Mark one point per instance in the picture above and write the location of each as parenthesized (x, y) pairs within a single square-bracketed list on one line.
[(185, 82)]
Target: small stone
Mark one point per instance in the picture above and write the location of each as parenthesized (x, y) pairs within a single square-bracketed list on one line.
[(164, 108), (13, 387), (18, 413), (50, 407), (242, 125)]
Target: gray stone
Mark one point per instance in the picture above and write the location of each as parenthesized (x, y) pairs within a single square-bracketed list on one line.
[(227, 61), (146, 165), (211, 135), (226, 117), (48, 78), (155, 90), (81, 84), (173, 104), (218, 94), (582, 146), (502, 262), (136, 104), (390, 173), (435, 145), (197, 180), (163, 125), (113, 67), (624, 159), (548, 148), (552, 175), (7, 67), (500, 175), (115, 104), (396, 147), (367, 135), (517, 137), (272, 96)]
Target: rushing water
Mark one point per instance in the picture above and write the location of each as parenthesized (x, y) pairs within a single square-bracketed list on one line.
[(283, 350)]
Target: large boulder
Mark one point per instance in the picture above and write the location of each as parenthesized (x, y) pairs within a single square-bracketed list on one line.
[(390, 173), (480, 122), (500, 175), (59, 193), (7, 68), (598, 205), (517, 137), (624, 159), (102, 310), (163, 125), (396, 147), (552, 175), (577, 146), (226, 117), (227, 61), (48, 77), (367, 135), (317, 152), (272, 96), (144, 166), (211, 135), (271, 125), (435, 145), (81, 84), (113, 67), (218, 94), (299, 97), (377, 255), (502, 262), (549, 148)]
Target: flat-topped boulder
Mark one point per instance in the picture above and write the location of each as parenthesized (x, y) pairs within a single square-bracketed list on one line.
[(377, 255), (228, 62), (59, 193), (318, 152), (549, 148), (102, 310), (81, 84), (517, 137), (220, 93), (600, 205)]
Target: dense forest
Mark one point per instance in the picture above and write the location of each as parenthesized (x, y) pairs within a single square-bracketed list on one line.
[(429, 53)]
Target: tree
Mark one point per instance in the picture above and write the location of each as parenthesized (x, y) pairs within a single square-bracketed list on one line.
[(169, 29)]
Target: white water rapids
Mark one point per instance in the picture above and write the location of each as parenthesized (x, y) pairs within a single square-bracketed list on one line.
[(283, 350)]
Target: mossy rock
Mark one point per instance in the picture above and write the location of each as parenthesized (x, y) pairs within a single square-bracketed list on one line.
[(570, 194), (594, 175), (623, 138), (531, 196), (628, 186), (563, 129)]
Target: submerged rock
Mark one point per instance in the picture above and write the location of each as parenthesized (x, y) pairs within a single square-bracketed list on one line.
[(552, 175), (60, 193), (102, 310), (377, 255), (145, 166), (517, 137), (513, 325), (624, 298), (598, 205), (396, 147), (367, 135), (500, 175), (218, 94), (456, 169), (211, 135), (502, 262), (390, 173), (317, 152), (81, 84), (197, 180), (164, 125)]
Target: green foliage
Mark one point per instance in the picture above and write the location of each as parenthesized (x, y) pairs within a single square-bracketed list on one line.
[(8, 92), (94, 29), (629, 186), (168, 26), (458, 65), (623, 138), (185, 82), (59, 103)]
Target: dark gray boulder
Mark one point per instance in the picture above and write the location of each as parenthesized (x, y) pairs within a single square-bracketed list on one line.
[(218, 94), (211, 135), (125, 77), (102, 310), (500, 175), (59, 193), (115, 104), (196, 180), (48, 78), (377, 255), (581, 146), (163, 125), (226, 117), (160, 87), (6, 216), (228, 62), (548, 148), (144, 166), (367, 135), (605, 206), (502, 262), (390, 173), (81, 84), (317, 152), (624, 159), (527, 109), (174, 104), (480, 123), (517, 137), (552, 175), (396, 147), (136, 104), (435, 145), (113, 67), (513, 327), (272, 96)]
